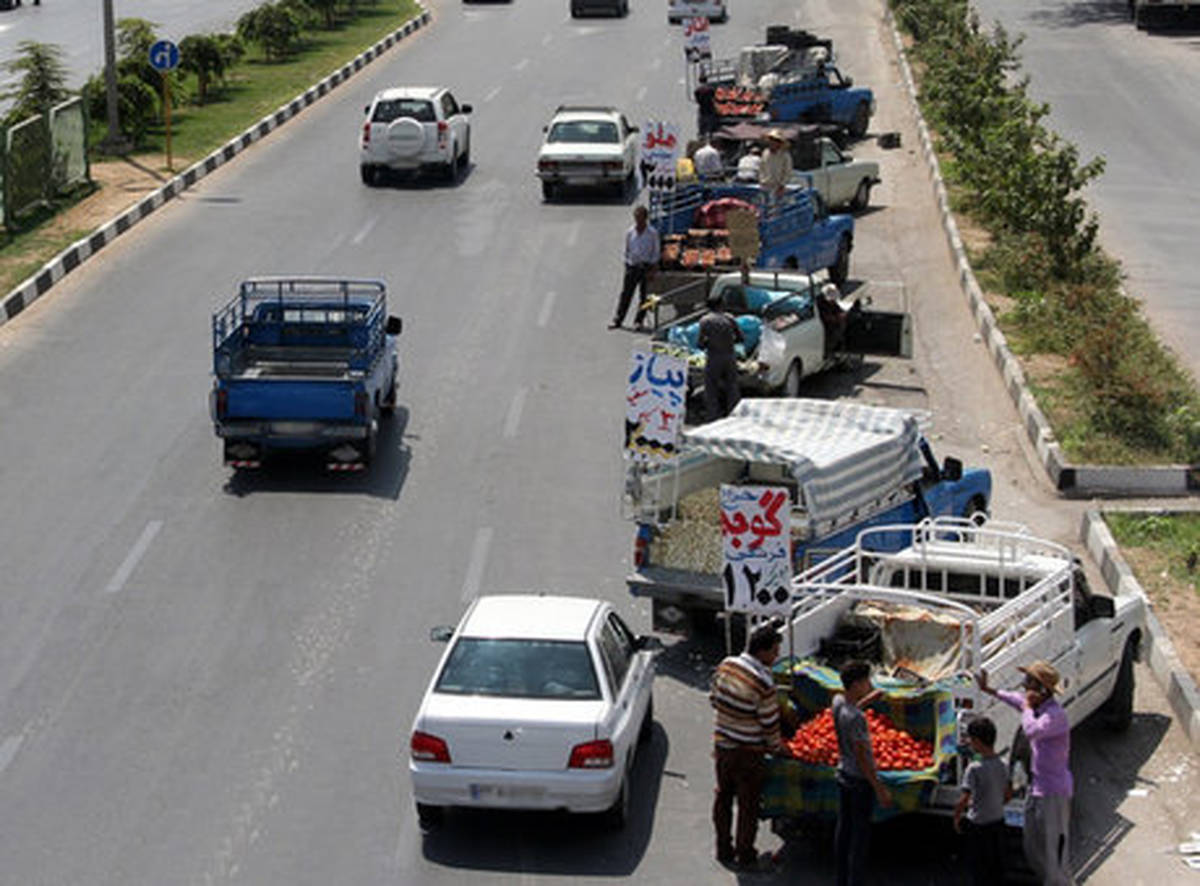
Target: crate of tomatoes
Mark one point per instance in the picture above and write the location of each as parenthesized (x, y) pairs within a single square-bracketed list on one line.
[(913, 739)]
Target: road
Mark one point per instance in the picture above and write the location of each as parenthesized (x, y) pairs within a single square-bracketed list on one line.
[(208, 679), (1133, 98), (77, 26)]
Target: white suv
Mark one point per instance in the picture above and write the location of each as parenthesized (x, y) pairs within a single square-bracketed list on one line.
[(588, 146), (412, 129)]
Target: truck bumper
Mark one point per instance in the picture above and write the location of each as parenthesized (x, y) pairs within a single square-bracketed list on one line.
[(247, 444)]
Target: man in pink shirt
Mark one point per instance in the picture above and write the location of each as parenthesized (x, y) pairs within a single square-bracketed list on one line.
[(1046, 837)]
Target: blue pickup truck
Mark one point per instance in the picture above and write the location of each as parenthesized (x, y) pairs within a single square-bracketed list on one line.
[(796, 231), (305, 363), (823, 95)]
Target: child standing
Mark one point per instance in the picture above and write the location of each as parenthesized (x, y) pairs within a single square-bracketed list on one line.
[(985, 790)]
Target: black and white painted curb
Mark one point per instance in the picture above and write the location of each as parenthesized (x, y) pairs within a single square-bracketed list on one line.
[(1070, 479), (80, 251), (1157, 650)]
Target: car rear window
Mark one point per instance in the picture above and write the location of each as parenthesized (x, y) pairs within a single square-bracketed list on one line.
[(387, 110), (519, 669), (585, 131)]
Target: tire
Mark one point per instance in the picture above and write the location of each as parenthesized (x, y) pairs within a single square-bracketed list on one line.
[(647, 727), (840, 269), (862, 116), (372, 443), (450, 169), (794, 380), (1117, 711), (369, 175), (430, 817), (977, 505), (388, 406), (548, 191), (862, 196), (616, 816)]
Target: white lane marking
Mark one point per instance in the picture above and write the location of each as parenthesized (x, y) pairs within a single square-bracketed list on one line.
[(544, 313), (134, 556), (365, 230), (8, 750), (656, 64), (479, 552), (491, 95), (573, 233), (641, 93), (337, 241), (513, 420), (546, 38), (520, 66)]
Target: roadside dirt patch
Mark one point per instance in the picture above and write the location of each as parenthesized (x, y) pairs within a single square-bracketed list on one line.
[(1176, 605), (122, 183)]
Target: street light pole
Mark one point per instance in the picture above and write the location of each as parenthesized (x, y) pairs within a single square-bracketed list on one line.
[(113, 141)]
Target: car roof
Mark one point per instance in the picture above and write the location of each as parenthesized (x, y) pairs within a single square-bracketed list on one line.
[(532, 616), (425, 92), (582, 112)]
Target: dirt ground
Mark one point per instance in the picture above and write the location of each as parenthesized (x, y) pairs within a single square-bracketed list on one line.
[(122, 183)]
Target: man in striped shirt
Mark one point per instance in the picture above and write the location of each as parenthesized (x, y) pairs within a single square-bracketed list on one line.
[(746, 728)]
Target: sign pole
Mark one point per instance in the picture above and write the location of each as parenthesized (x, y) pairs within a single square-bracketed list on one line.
[(166, 79)]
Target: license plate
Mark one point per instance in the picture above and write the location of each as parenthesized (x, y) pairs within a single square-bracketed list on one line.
[(294, 427), (513, 793)]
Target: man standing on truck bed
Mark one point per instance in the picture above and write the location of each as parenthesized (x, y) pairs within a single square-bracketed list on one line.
[(1046, 838), (746, 727), (642, 251)]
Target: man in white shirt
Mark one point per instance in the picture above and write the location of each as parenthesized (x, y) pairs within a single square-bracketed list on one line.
[(641, 258), (707, 161), (776, 169), (749, 165)]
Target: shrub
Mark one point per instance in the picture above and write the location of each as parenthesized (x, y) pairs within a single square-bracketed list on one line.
[(274, 27)]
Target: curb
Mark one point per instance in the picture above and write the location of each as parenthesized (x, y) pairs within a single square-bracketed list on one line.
[(1070, 479), (81, 250), (1157, 650)]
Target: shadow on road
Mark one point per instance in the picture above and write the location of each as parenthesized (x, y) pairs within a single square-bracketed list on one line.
[(1090, 12), (305, 472), (551, 843)]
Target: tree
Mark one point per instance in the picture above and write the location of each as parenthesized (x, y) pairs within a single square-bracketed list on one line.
[(43, 80), (138, 103), (272, 26), (202, 55)]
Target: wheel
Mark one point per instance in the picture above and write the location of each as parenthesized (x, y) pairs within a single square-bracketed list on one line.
[(617, 815), (548, 191), (1117, 711), (862, 196), (647, 727), (370, 175), (388, 406), (574, 12), (430, 817), (372, 442), (840, 269), (624, 8), (976, 510), (862, 116), (793, 379), (464, 159)]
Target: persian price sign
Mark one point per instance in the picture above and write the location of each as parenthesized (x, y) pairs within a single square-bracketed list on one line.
[(696, 43), (659, 151), (756, 544), (655, 402)]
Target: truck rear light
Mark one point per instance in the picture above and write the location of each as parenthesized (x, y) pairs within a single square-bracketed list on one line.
[(360, 404), (592, 755), (222, 402), (548, 165), (612, 165), (428, 748), (366, 140), (641, 549)]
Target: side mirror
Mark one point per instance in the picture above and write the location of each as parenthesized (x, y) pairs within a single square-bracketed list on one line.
[(545, 129), (648, 643), (849, 81), (634, 129), (466, 109), (394, 325), (441, 634), (366, 109), (952, 469), (1102, 607)]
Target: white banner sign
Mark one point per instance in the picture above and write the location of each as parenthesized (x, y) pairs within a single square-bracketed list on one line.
[(696, 43), (756, 544), (655, 402), (659, 151)]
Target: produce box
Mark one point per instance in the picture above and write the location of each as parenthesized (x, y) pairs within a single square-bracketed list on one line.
[(796, 788)]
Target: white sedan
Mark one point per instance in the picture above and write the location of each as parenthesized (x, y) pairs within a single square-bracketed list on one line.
[(588, 146), (538, 703)]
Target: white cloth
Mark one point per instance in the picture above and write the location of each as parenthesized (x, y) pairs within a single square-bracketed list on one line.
[(776, 169), (748, 168), (707, 161), (643, 248)]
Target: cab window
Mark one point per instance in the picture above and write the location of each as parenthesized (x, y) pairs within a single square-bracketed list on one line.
[(616, 651), (449, 105)]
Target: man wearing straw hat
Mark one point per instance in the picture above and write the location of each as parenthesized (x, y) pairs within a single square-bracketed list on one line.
[(1046, 837), (776, 169)]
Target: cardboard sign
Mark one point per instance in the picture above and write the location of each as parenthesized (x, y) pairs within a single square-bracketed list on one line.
[(655, 402), (744, 239), (756, 545), (696, 42), (660, 147)]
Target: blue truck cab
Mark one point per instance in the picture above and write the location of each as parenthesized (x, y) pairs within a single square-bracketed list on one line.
[(823, 95), (796, 231), (305, 363)]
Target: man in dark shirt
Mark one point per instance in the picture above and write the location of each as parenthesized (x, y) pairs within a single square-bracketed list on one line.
[(706, 106), (718, 334)]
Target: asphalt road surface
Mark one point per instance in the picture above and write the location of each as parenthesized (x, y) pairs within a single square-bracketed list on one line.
[(209, 679), (1133, 98)]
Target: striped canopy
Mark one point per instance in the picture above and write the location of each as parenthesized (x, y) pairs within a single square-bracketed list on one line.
[(843, 455)]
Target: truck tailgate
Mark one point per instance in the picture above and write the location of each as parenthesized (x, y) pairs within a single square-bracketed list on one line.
[(301, 399)]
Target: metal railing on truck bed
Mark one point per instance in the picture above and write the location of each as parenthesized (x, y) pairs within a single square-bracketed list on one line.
[(319, 323)]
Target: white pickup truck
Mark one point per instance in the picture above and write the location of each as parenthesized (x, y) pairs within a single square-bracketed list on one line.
[(962, 598), (840, 178)]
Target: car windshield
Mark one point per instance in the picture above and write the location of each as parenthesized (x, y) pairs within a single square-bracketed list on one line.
[(600, 132), (519, 669), (389, 109)]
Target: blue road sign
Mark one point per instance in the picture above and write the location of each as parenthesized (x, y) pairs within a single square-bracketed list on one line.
[(164, 56)]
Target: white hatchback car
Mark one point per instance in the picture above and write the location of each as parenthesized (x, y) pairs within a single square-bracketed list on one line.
[(587, 146), (414, 129), (538, 703)]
